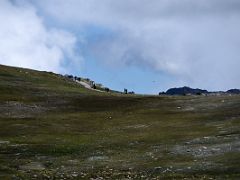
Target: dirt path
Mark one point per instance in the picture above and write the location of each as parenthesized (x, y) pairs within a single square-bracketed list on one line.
[(86, 85)]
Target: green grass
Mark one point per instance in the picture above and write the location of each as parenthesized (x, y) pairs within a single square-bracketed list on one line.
[(47, 119)]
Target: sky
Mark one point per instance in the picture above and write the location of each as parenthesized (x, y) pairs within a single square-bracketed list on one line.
[(146, 46)]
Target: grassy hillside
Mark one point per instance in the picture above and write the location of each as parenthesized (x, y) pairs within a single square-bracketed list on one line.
[(53, 128)]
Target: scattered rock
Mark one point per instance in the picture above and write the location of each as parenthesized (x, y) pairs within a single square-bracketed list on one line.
[(74, 174), (207, 150), (4, 142), (33, 166), (137, 126), (98, 158)]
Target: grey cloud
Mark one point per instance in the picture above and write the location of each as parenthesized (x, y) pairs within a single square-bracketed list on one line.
[(135, 10), (197, 41)]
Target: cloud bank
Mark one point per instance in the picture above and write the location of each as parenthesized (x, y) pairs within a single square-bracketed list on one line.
[(196, 42), (27, 42)]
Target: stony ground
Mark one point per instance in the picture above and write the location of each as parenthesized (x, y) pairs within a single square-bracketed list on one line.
[(51, 128)]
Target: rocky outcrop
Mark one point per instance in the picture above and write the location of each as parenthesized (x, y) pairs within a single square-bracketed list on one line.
[(234, 91), (185, 90)]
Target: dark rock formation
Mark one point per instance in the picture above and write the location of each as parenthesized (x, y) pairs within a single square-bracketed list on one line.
[(185, 90), (234, 91)]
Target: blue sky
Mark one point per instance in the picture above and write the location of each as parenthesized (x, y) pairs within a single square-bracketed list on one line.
[(133, 78), (144, 46)]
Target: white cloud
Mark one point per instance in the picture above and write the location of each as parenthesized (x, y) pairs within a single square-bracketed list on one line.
[(196, 41), (27, 42)]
